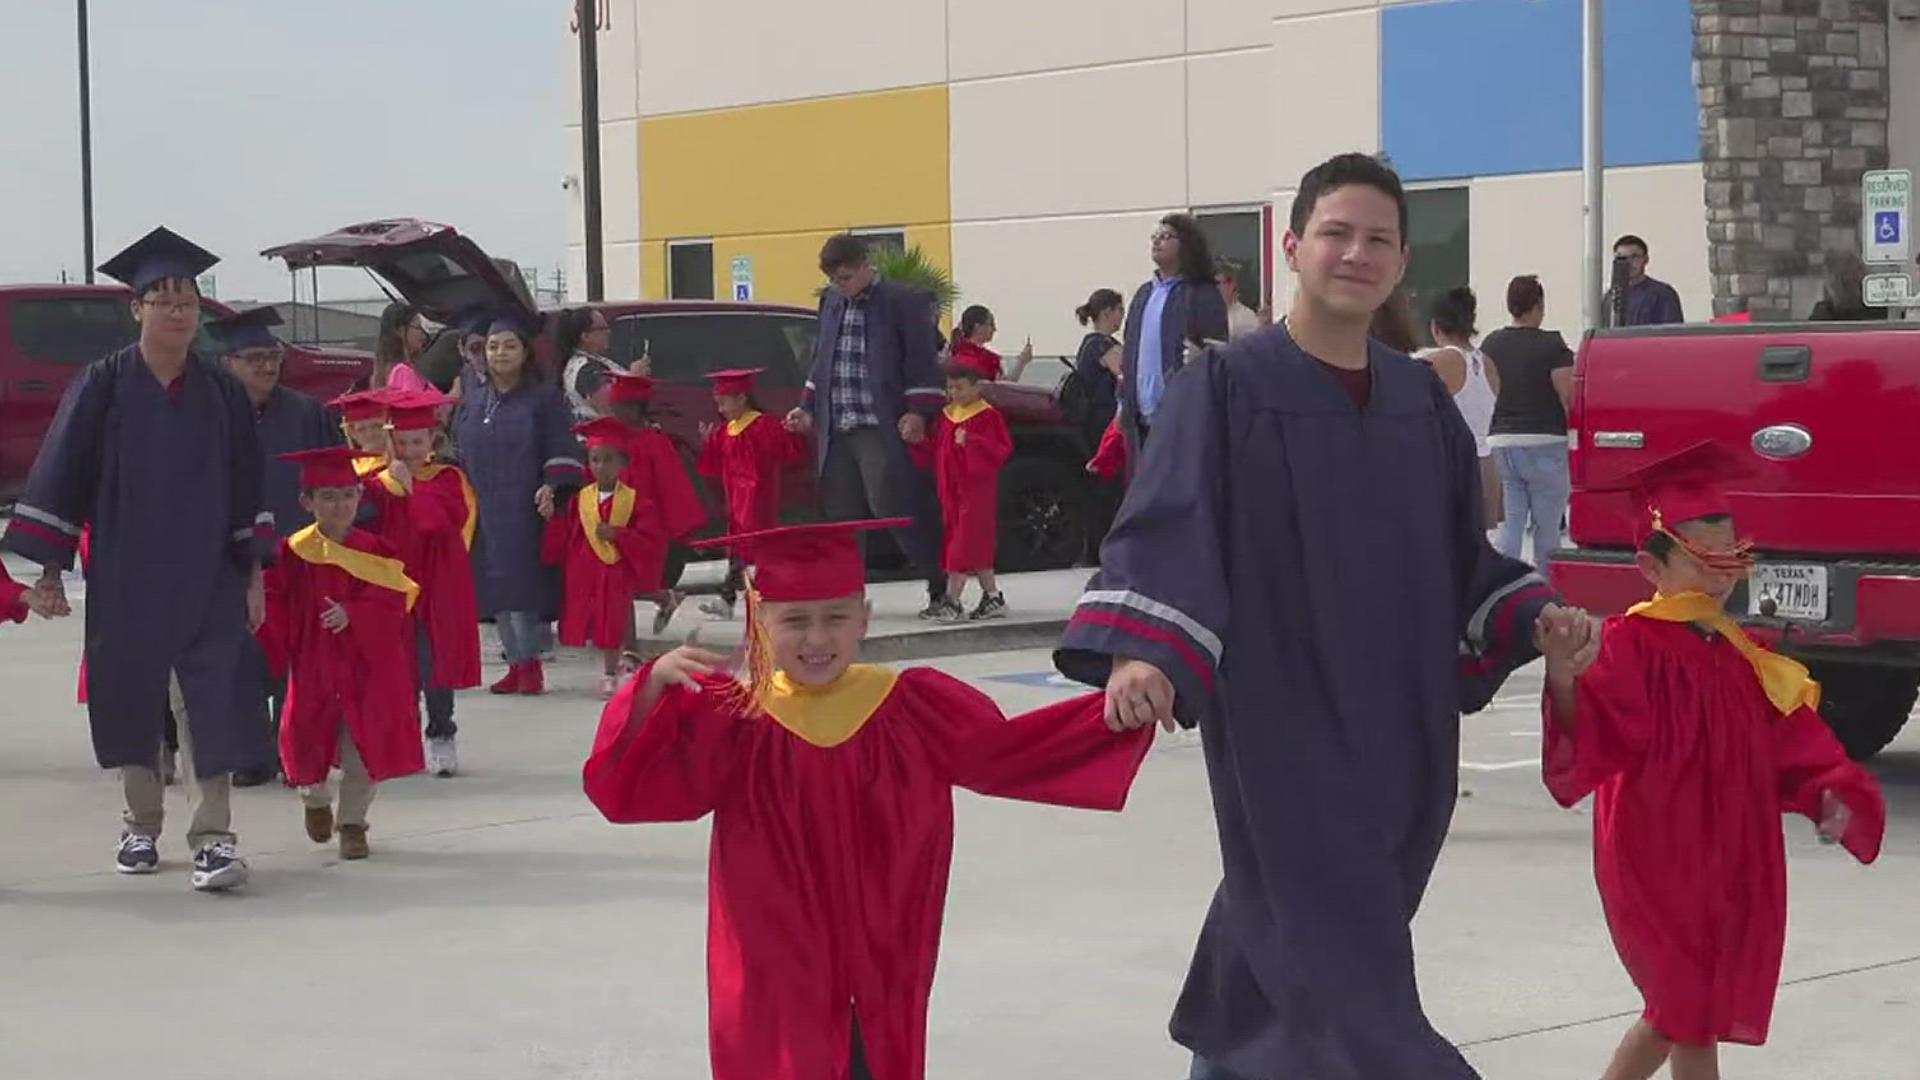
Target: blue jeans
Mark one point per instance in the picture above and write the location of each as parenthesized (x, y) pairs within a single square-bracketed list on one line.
[(1534, 485), (521, 634), (439, 701)]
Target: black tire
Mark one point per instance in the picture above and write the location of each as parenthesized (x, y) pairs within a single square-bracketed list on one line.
[(678, 555), (1045, 515), (1866, 705)]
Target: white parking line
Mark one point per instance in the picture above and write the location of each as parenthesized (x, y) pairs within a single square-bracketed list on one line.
[(1500, 766)]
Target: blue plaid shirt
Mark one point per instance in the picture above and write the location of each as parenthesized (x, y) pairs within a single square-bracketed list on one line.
[(849, 384)]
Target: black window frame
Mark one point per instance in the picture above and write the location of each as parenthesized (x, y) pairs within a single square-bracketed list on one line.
[(677, 282), (780, 341)]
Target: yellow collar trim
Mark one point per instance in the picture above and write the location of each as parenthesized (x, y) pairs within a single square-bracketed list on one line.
[(379, 570), (742, 422), (364, 465), (1784, 679), (588, 503), (826, 716), (960, 414)]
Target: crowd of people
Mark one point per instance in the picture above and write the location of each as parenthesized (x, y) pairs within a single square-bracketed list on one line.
[(1257, 585)]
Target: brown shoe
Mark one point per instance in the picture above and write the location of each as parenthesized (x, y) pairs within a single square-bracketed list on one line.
[(353, 841), (319, 824)]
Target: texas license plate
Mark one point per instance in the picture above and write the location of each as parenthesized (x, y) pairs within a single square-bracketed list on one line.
[(1798, 591)]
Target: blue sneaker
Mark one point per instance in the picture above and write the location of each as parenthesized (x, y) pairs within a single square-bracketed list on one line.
[(137, 855), (217, 867)]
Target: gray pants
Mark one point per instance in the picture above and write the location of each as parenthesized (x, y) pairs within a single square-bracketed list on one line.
[(356, 787), (207, 796), (866, 476)]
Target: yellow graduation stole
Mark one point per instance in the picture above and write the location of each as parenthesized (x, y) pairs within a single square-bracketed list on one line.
[(1784, 679), (588, 505), (960, 414), (364, 465), (742, 422), (379, 570), (827, 716), (430, 471)]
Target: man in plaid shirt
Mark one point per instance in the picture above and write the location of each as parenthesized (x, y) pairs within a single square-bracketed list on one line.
[(877, 355)]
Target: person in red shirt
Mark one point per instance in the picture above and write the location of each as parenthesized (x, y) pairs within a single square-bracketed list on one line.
[(745, 453), (1694, 740), (608, 551), (831, 786), (428, 512), (343, 602), (970, 446)]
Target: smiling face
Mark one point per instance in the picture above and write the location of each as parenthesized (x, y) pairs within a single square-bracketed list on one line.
[(815, 641), (413, 447), (506, 357), (257, 369), (1678, 571), (368, 435), (169, 315), (333, 509), (1351, 254)]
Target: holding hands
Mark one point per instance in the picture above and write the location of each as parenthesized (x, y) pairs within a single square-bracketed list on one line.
[(543, 501), (1570, 640), (799, 421)]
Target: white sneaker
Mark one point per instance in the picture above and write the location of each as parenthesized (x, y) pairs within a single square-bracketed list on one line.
[(441, 759), (1184, 738), (716, 607), (609, 684)]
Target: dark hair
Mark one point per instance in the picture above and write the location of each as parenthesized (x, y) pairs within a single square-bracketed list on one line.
[(570, 326), (192, 285), (1630, 240), (1660, 545), (1196, 257), (390, 348), (1454, 311), (971, 319), (1098, 304), (1224, 268), (1341, 171), (531, 372), (962, 371), (1393, 323), (1524, 294), (844, 251)]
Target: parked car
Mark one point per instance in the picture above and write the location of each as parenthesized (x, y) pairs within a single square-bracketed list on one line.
[(1834, 505), (1047, 502), (48, 333)]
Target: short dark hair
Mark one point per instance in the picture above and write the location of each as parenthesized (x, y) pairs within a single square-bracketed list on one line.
[(1340, 171), (842, 252), (1196, 256), (1524, 294), (190, 284), (1630, 240), (1098, 304), (962, 371), (1454, 311), (1660, 545)]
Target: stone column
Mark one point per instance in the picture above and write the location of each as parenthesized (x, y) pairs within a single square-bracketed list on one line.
[(1793, 109)]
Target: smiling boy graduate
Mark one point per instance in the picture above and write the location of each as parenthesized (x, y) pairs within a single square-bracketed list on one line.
[(1694, 741), (831, 788)]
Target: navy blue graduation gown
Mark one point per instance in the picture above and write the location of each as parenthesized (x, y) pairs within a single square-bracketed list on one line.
[(170, 483), (509, 445), (1314, 580), (289, 422)]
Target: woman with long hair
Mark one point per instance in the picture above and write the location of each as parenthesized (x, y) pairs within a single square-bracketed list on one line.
[(402, 339), (970, 340), (1177, 311), (584, 337)]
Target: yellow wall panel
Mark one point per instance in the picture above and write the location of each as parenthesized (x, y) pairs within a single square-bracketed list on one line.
[(653, 270), (786, 266)]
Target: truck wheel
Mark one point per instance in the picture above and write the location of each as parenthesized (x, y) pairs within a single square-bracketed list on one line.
[(1044, 515), (1865, 705)]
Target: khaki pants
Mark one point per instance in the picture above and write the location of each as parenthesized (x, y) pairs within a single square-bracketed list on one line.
[(207, 796), (356, 788)]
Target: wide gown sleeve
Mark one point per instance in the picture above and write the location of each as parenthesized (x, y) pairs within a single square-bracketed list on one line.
[(1614, 722), (1812, 762), (675, 762)]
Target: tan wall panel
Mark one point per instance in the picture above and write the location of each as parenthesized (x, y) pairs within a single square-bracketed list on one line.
[(618, 60), (1057, 144), (1288, 9), (1668, 206), (619, 183), (1230, 110), (1307, 124), (1000, 37), (1033, 273), (704, 56), (623, 270), (1230, 24)]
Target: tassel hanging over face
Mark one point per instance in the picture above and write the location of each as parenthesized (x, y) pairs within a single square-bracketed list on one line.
[(754, 681)]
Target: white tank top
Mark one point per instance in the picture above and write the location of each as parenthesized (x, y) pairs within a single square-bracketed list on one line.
[(1475, 398)]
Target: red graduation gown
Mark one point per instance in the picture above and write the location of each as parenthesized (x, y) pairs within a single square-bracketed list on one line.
[(432, 529), (667, 506), (13, 606), (363, 675), (597, 609), (828, 872), (1692, 767), (1110, 458), (746, 458), (968, 476)]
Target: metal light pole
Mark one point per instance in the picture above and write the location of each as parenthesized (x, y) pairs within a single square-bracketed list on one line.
[(86, 148), (1592, 163), (587, 25)]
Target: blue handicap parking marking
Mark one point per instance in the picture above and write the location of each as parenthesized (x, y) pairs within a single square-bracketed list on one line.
[(1886, 226), (1035, 678)]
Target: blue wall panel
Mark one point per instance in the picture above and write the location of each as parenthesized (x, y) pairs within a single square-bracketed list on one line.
[(1489, 87)]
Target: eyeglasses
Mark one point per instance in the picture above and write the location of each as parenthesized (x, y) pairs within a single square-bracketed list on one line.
[(260, 357), (1164, 234), (175, 308)]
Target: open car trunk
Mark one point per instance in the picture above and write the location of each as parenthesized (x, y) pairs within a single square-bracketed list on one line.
[(443, 274)]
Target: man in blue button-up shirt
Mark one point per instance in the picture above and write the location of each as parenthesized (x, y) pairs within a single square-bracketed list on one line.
[(1180, 306)]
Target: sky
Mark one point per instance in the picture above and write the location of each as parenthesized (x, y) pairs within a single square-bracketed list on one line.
[(245, 123)]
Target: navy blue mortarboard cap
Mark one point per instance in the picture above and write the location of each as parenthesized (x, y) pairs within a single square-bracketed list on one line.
[(247, 329), (505, 320), (156, 257)]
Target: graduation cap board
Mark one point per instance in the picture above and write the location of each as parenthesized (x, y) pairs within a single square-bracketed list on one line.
[(362, 406), (629, 388), (733, 381), (245, 330), (1686, 486), (605, 432), (820, 561), (161, 255), (327, 468), (415, 410)]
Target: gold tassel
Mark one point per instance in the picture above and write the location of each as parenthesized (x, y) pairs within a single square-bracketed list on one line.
[(754, 682)]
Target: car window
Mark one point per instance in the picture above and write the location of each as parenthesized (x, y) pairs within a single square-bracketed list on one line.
[(71, 331), (686, 347)]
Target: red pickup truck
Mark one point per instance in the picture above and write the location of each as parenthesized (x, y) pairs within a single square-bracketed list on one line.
[(49, 332), (1833, 506)]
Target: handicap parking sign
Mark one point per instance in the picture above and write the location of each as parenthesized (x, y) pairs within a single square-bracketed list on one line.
[(1886, 227)]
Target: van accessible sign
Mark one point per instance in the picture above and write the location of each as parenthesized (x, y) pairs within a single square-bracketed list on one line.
[(1886, 212)]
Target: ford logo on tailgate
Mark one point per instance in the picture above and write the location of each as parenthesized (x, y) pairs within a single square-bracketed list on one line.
[(1782, 442)]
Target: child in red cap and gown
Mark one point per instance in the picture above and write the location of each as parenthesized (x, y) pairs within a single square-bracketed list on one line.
[(666, 505), (607, 552), (745, 454)]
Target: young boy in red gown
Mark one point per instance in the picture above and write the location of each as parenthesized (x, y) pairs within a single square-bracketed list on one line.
[(745, 454), (668, 506), (608, 553), (342, 602), (1695, 740), (831, 788), (363, 420), (428, 512), (969, 446)]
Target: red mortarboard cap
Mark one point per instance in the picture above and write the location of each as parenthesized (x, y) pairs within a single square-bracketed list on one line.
[(606, 431), (964, 366), (328, 467), (805, 562), (1681, 487), (629, 388), (365, 405), (736, 381), (415, 410)]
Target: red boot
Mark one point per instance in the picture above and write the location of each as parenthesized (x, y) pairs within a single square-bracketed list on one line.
[(510, 683), (533, 678)]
